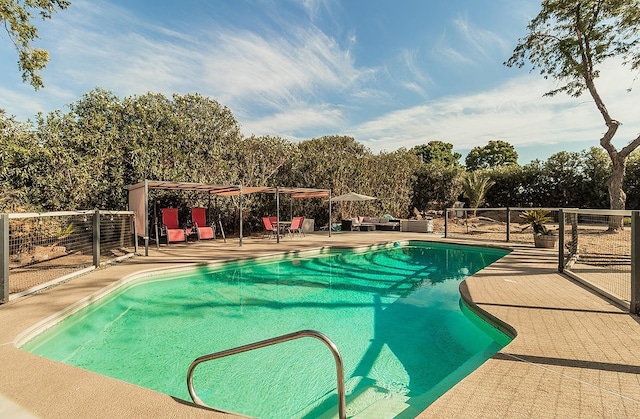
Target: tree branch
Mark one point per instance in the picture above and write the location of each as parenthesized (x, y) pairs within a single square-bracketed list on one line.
[(630, 147)]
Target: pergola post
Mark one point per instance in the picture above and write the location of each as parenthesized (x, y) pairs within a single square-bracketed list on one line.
[(634, 303), (240, 203), (277, 214), (330, 213), (4, 258)]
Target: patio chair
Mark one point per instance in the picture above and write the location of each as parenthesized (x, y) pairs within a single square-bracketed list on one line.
[(296, 226), (171, 226), (199, 219), (269, 229)]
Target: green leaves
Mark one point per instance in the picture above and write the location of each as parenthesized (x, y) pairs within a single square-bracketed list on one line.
[(16, 17), (475, 186), (536, 218), (437, 152), (495, 154), (568, 39)]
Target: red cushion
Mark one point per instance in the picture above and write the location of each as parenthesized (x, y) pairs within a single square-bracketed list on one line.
[(205, 233), (176, 235)]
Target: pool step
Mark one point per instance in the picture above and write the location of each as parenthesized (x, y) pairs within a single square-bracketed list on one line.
[(366, 400), (386, 409)]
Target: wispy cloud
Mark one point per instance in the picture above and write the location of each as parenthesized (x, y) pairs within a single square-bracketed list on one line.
[(416, 80), (479, 41), (466, 43), (240, 68), (275, 71), (442, 49), (289, 124), (515, 112)]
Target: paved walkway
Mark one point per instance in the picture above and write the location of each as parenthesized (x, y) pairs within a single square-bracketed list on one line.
[(575, 355)]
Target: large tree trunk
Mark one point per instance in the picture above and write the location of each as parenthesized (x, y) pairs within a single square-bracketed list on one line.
[(617, 197)]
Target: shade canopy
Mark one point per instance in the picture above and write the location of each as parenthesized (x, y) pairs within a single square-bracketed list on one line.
[(352, 196), (139, 199)]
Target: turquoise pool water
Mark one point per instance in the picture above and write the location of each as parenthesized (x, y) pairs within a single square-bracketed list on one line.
[(394, 313)]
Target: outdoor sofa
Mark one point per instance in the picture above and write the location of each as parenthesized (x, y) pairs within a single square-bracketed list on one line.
[(370, 223)]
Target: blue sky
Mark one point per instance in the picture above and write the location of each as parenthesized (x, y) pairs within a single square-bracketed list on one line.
[(389, 73)]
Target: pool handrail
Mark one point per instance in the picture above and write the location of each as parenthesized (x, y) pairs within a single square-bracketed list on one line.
[(272, 341)]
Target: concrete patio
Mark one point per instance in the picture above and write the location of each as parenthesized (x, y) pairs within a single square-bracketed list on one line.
[(575, 354)]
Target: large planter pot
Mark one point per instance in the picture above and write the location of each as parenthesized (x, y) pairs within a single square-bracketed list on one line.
[(547, 241)]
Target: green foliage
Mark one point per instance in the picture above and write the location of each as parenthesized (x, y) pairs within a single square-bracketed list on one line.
[(563, 170), (390, 177), (568, 39), (332, 162), (21, 157), (595, 168), (508, 186), (85, 158), (537, 218), (632, 181), (16, 16), (565, 179), (437, 152), (475, 186), (495, 154), (103, 144), (436, 186)]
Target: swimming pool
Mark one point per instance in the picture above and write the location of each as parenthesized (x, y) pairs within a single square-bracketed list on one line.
[(394, 313)]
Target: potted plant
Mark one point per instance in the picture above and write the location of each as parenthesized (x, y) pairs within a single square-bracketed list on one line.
[(542, 236)]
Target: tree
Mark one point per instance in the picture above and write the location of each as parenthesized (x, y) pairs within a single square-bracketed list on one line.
[(21, 158), (16, 17), (564, 179), (475, 186), (495, 154), (509, 186), (390, 178), (437, 151), (332, 162), (632, 180), (436, 186), (568, 41), (596, 168)]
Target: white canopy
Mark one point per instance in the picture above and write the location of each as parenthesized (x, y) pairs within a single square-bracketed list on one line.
[(352, 196)]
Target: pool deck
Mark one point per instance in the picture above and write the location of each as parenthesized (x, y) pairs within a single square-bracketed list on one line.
[(576, 355)]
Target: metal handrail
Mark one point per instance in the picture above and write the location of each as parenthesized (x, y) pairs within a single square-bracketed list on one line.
[(272, 341)]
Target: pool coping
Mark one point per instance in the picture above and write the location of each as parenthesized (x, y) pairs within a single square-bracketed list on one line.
[(563, 386)]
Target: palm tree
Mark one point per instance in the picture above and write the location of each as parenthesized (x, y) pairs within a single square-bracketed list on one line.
[(475, 186)]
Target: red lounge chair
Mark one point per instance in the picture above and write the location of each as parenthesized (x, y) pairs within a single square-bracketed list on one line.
[(296, 226), (199, 219), (269, 230), (171, 226)]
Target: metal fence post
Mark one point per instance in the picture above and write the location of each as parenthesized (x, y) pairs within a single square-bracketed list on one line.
[(508, 224), (446, 222), (560, 240), (4, 258), (634, 303), (135, 233), (96, 238)]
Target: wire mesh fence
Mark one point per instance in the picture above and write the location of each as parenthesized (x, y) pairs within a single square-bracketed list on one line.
[(117, 236), (598, 250), (596, 245), (49, 247), (495, 224)]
